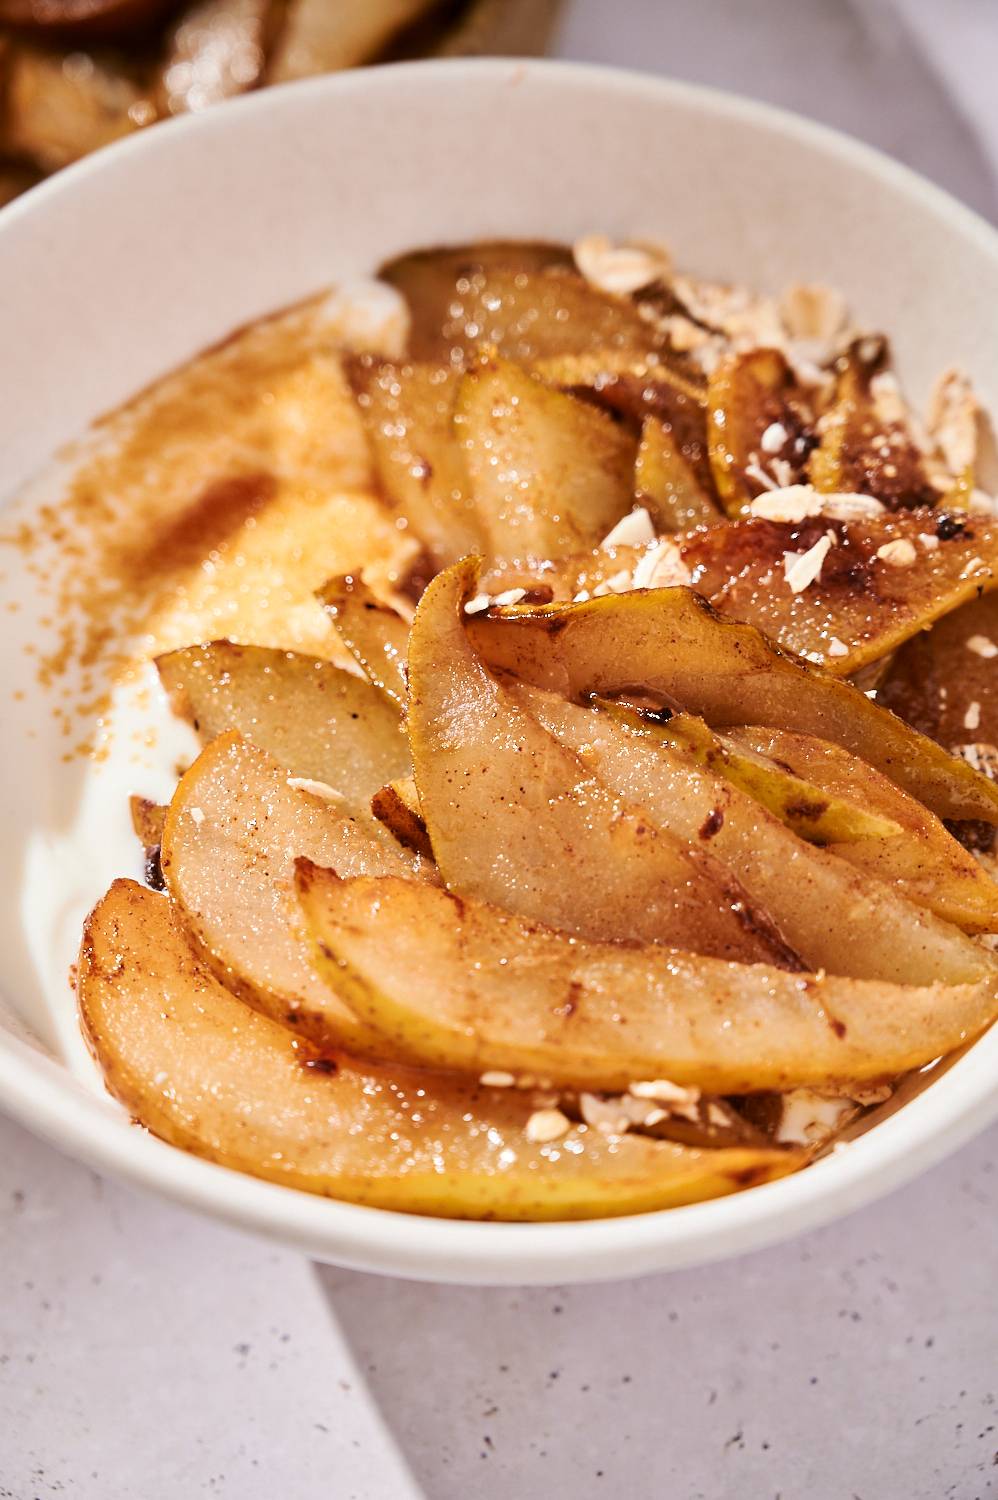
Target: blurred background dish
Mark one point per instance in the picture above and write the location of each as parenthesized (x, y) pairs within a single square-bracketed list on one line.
[(78, 74)]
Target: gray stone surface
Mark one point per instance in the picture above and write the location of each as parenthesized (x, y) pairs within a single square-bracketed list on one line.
[(146, 1354)]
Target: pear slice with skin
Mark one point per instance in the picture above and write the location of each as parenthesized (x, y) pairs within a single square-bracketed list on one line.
[(813, 812), (671, 645), (407, 411), (549, 474), (516, 818), (373, 632), (321, 722), (927, 863), (232, 834), (199, 1069), (464, 985), (834, 916)]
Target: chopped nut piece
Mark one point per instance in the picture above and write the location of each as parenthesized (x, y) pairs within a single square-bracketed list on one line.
[(476, 605), (801, 502), (809, 1118), (929, 541), (813, 312), (633, 530), (749, 321), (511, 596), (952, 420), (661, 568), (898, 554), (716, 1114), (546, 1125), (889, 406), (801, 569), (663, 1091), (972, 718), (982, 645), (845, 506), (798, 502), (837, 647), (876, 1094), (315, 788), (981, 756), (496, 1079), (616, 1115), (774, 438), (621, 269), (197, 815), (758, 473), (686, 336)]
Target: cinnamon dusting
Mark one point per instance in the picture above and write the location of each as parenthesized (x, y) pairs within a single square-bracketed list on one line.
[(214, 504)]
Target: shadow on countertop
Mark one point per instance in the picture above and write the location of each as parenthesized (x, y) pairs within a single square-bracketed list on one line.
[(801, 1371)]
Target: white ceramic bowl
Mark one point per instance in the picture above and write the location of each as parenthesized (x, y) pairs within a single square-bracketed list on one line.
[(133, 261)]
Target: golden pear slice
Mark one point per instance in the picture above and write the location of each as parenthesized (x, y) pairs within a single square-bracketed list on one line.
[(147, 820), (814, 812), (549, 474), (516, 818), (886, 579), (943, 681), (233, 832), (863, 449), (926, 863), (408, 413), (322, 723), (667, 483), (373, 632), (747, 394), (525, 299), (192, 1064), (464, 985), (834, 917), (671, 645)]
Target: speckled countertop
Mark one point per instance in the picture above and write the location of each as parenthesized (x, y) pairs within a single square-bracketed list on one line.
[(145, 1353)]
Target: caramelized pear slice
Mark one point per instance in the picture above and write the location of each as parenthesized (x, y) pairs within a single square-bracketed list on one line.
[(197, 1068), (516, 818), (749, 395), (549, 474), (373, 632), (882, 581), (813, 811), (148, 819), (926, 862), (596, 369), (397, 806), (944, 682), (466, 986), (526, 300), (835, 918), (863, 449), (667, 483), (323, 724), (408, 413), (671, 645), (233, 832)]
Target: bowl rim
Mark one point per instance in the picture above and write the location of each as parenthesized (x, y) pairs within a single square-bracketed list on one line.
[(40, 1093)]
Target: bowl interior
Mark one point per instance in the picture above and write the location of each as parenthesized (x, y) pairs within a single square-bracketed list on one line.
[(132, 262)]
